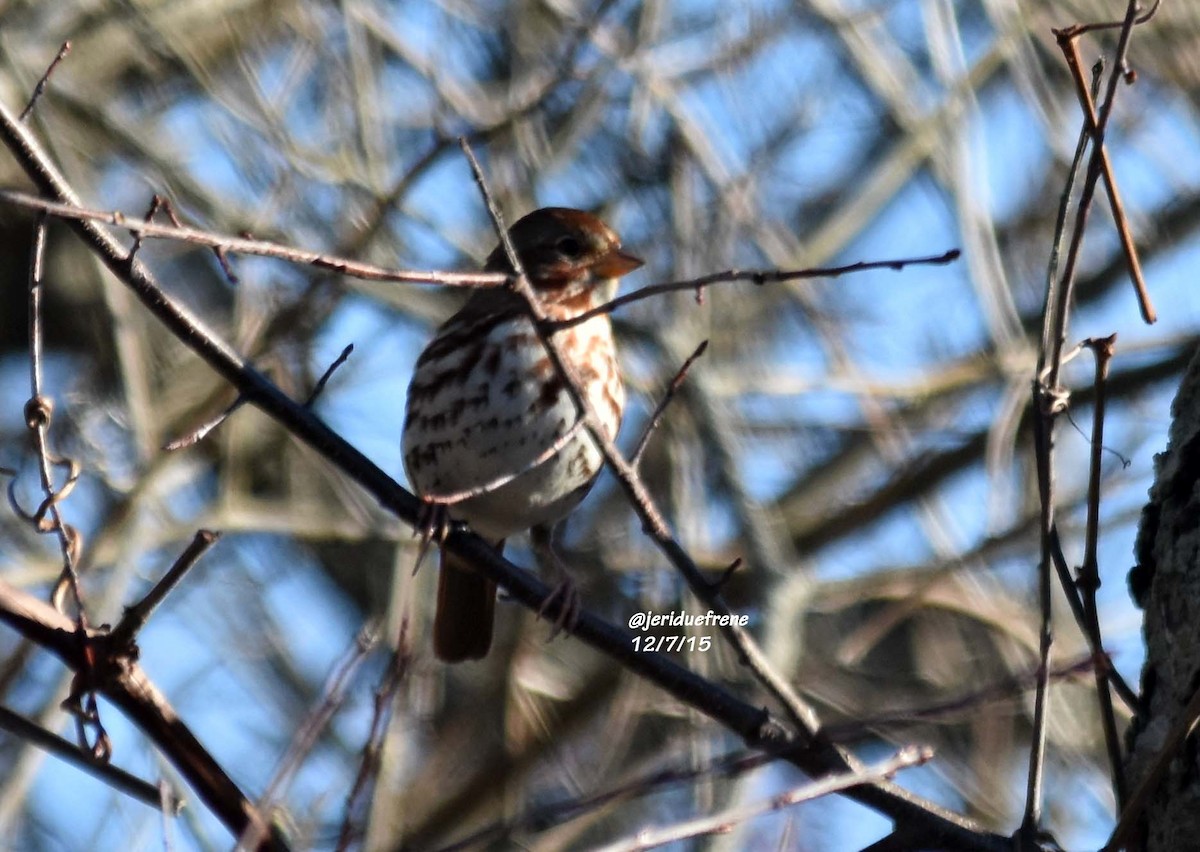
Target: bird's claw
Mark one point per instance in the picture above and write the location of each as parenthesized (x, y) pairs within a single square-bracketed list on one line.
[(566, 593), (433, 521), (433, 524)]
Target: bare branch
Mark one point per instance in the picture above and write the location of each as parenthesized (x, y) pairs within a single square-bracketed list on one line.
[(162, 797), (673, 388), (124, 683), (135, 616), (758, 277), (40, 88), (329, 371), (240, 245), (724, 821)]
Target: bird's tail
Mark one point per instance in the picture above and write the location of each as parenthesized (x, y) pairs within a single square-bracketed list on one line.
[(466, 603)]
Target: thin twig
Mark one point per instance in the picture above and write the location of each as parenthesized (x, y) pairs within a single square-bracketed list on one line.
[(321, 382), (758, 277), (40, 88), (123, 782), (1075, 601), (310, 728), (135, 616), (635, 459), (1067, 41), (261, 248), (727, 574), (1076, 30), (368, 767), (724, 821), (222, 256), (201, 432), (1089, 571), (155, 203)]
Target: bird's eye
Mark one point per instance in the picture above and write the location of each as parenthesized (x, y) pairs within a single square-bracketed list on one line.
[(569, 246)]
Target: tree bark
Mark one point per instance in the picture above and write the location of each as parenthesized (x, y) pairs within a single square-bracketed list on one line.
[(1166, 584)]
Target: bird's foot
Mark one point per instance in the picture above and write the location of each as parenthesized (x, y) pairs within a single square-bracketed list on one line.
[(433, 524), (566, 596)]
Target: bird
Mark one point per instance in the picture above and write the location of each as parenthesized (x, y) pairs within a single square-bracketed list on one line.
[(491, 432)]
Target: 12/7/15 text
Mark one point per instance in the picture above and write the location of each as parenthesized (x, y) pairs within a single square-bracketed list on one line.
[(670, 644)]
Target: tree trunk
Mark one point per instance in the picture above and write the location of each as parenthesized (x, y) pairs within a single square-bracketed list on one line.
[(1166, 584)]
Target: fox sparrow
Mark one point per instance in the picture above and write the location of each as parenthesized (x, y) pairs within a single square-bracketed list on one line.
[(490, 420)]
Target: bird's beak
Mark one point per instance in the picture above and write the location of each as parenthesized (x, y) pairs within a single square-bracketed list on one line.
[(615, 263)]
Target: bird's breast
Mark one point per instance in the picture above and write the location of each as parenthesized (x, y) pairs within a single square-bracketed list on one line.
[(488, 409)]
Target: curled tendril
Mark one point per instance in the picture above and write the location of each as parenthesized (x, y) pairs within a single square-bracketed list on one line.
[(38, 518), (81, 704)]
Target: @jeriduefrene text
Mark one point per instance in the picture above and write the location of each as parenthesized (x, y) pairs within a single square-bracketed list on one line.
[(679, 618)]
